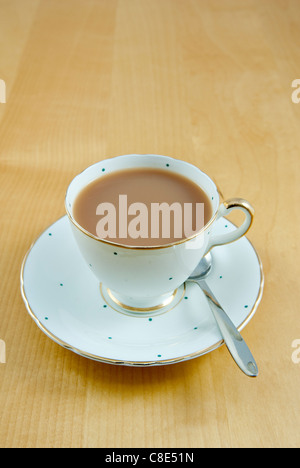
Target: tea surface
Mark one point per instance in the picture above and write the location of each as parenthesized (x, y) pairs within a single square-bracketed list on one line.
[(142, 206)]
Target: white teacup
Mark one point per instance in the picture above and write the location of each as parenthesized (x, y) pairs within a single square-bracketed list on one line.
[(145, 277)]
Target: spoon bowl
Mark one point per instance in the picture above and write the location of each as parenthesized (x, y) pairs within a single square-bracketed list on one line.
[(203, 268)]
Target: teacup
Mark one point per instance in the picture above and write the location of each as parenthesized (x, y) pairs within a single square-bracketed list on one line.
[(145, 277)]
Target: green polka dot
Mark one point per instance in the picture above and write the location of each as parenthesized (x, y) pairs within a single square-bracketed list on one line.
[(170, 278), (50, 234), (46, 318), (246, 306), (167, 165), (103, 169), (110, 337), (61, 284), (185, 297), (195, 328), (115, 253), (221, 276), (159, 355), (150, 319), (104, 305)]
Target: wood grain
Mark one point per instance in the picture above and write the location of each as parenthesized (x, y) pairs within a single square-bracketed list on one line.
[(204, 81)]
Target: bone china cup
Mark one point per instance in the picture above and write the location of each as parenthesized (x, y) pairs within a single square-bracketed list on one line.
[(145, 277)]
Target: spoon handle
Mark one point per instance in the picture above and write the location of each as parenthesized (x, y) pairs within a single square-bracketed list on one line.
[(232, 338)]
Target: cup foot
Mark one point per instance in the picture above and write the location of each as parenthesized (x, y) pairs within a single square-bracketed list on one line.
[(142, 307)]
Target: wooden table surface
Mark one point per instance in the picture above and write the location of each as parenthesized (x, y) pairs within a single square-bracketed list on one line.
[(206, 81)]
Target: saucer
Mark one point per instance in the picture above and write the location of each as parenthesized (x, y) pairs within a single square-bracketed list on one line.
[(69, 305)]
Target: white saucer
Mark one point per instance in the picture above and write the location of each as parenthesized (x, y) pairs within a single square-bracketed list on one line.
[(65, 300)]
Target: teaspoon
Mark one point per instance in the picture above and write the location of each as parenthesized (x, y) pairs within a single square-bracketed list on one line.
[(232, 338)]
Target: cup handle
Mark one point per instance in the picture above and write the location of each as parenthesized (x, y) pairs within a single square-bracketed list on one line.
[(224, 210)]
